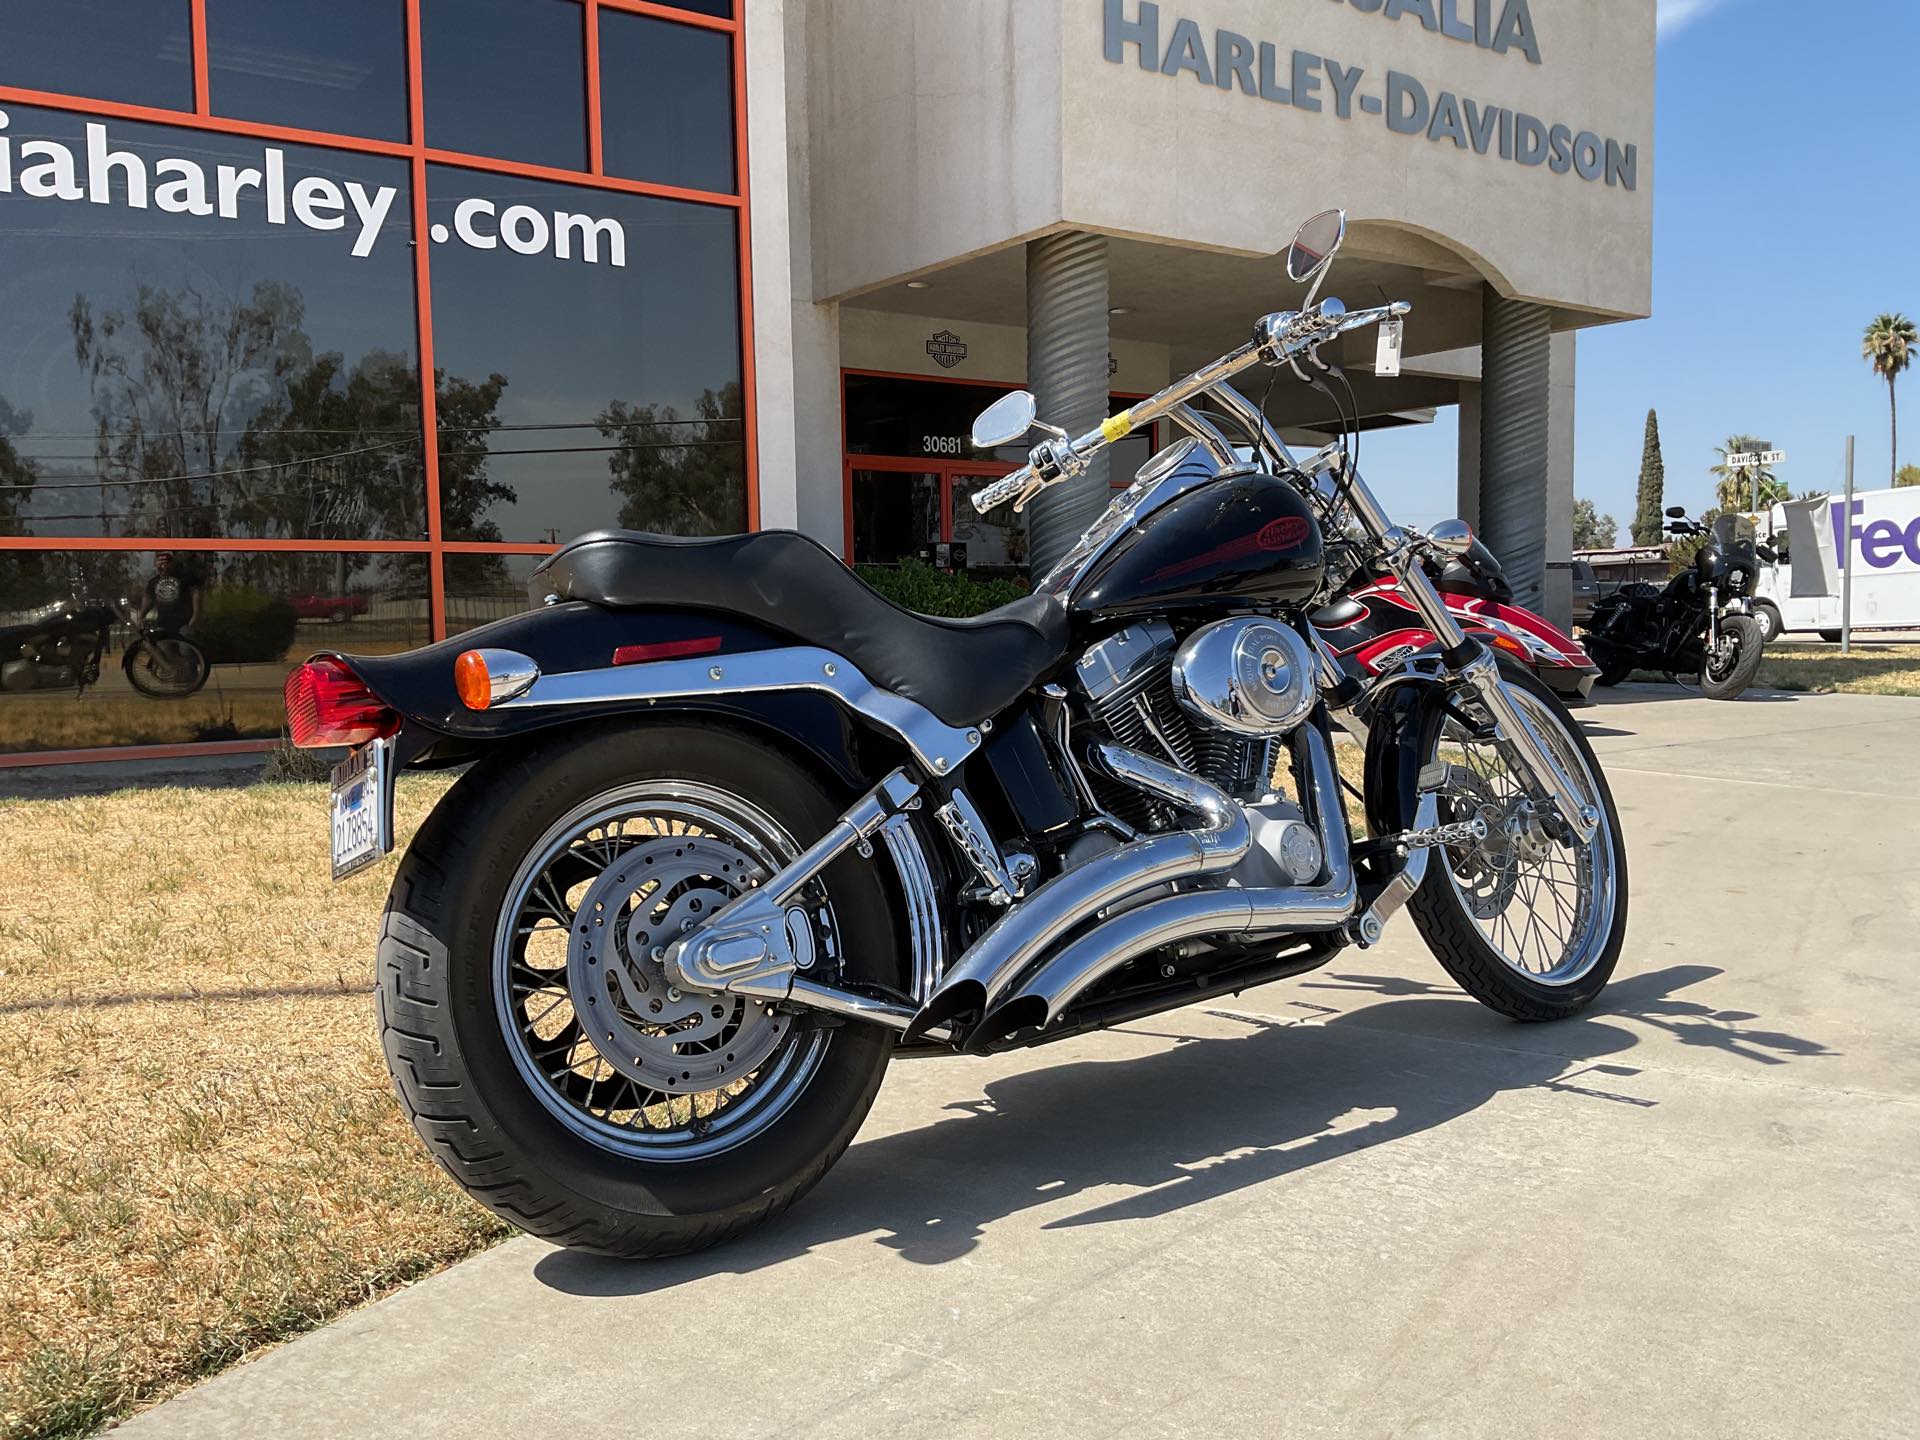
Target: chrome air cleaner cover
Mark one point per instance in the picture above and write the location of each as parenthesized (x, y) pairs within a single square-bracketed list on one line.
[(1249, 676)]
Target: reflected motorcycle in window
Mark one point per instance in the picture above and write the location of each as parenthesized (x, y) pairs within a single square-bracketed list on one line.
[(737, 831), (59, 647)]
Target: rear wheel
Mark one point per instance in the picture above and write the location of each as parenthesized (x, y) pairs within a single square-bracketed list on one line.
[(534, 1036), (1731, 665), (1768, 619), (1526, 922)]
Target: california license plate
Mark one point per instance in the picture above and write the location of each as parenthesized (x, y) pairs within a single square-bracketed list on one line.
[(362, 808)]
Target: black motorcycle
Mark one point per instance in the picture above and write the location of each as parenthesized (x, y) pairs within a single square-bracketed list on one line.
[(59, 647), (740, 831), (1701, 624)]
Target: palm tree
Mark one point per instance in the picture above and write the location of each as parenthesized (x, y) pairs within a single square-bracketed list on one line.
[(1735, 489), (1888, 347)]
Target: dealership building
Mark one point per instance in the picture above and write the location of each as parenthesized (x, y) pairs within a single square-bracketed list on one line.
[(319, 325)]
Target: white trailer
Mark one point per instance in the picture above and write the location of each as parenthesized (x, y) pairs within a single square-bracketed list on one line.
[(1818, 541)]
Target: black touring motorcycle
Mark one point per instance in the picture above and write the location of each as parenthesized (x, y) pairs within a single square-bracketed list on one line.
[(1702, 623), (740, 831), (59, 647)]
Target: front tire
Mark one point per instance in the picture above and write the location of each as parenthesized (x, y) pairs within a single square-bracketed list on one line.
[(480, 1007), (1726, 674), (1464, 908)]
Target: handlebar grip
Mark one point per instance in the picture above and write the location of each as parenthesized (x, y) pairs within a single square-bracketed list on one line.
[(1001, 491)]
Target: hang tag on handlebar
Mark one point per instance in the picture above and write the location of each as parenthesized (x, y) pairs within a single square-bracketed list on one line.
[(1386, 354)]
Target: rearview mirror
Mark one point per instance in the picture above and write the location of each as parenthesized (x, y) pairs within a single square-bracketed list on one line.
[(1452, 537), (1677, 512), (1006, 420), (1314, 244)]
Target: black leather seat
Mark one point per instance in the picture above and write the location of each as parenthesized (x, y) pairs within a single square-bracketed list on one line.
[(962, 670)]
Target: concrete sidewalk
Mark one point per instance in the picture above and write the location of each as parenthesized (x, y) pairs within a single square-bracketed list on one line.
[(1350, 1204)]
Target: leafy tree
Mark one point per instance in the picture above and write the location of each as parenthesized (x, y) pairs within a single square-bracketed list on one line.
[(1888, 347), (1815, 494), (1906, 475), (679, 475), (1748, 490), (22, 575), (1649, 524), (1591, 530)]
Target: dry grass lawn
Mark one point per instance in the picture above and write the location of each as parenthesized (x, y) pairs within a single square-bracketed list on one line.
[(199, 1149), (1869, 670)]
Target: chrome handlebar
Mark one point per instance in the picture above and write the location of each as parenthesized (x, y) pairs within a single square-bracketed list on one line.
[(1278, 339)]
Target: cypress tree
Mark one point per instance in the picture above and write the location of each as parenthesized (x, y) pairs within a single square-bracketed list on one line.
[(1649, 521)]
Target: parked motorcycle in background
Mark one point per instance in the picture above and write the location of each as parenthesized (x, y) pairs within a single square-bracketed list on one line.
[(60, 646), (738, 830), (1702, 623)]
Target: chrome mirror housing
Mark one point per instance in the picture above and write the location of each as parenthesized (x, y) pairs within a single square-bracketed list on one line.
[(1314, 245), (1452, 538), (1005, 421)]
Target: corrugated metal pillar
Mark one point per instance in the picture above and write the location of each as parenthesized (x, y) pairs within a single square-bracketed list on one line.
[(1067, 344), (1515, 440)]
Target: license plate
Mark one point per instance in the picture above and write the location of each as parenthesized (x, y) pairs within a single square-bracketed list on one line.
[(362, 808)]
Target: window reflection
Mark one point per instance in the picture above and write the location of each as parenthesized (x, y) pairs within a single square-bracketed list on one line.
[(896, 516), (600, 334), (138, 52), (506, 79), (484, 588), (223, 348), (167, 647), (666, 102), (338, 67)]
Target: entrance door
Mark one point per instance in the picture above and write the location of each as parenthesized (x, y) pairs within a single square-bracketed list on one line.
[(910, 509)]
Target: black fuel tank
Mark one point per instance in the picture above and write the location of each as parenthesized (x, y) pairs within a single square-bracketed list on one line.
[(1243, 539)]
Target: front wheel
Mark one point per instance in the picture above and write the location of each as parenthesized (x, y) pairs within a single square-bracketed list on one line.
[(1526, 922), (165, 667), (1730, 666), (533, 1034)]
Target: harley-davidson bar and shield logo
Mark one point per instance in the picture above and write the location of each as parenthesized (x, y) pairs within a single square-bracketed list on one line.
[(947, 349)]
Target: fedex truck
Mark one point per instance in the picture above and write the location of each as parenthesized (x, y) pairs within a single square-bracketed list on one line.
[(1818, 541)]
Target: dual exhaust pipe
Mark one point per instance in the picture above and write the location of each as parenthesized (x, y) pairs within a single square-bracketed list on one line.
[(1039, 957)]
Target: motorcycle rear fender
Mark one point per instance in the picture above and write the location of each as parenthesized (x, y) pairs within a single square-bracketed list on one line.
[(438, 729)]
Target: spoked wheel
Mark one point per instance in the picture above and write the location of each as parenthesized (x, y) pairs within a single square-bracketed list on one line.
[(165, 668), (1526, 920), (531, 1027), (612, 1049)]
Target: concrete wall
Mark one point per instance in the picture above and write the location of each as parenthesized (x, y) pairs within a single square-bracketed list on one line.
[(941, 130), (876, 340)]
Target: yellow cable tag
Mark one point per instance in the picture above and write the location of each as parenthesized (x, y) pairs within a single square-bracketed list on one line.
[(1116, 426)]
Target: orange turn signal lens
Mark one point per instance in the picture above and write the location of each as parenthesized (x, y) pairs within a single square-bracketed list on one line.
[(1508, 644), (471, 681)]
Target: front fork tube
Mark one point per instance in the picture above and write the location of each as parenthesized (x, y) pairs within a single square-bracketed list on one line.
[(1539, 771), (1713, 618)]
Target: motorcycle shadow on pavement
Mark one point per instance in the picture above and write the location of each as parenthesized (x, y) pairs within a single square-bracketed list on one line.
[(1261, 1098)]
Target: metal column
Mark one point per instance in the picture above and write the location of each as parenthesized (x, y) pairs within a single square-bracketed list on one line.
[(1067, 344), (1515, 362)]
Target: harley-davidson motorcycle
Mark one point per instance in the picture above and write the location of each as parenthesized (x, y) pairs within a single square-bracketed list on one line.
[(59, 647), (1372, 625), (740, 831), (1701, 624)]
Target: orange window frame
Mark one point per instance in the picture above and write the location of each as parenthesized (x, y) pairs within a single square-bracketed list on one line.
[(416, 151)]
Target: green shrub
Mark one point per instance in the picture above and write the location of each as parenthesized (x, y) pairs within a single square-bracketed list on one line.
[(243, 627), (915, 586)]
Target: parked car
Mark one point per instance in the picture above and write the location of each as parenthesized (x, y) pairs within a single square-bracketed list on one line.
[(1586, 590), (338, 608)]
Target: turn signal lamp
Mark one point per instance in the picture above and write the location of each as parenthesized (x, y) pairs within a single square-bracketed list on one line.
[(484, 678), (327, 704)]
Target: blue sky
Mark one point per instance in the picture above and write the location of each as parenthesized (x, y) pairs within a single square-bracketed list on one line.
[(1805, 117)]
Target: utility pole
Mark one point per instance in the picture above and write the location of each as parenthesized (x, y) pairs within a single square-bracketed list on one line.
[(1846, 562)]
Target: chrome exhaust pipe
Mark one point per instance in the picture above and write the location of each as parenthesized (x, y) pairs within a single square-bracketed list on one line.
[(1051, 986), (1074, 896)]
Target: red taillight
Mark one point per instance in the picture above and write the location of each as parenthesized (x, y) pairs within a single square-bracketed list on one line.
[(328, 705)]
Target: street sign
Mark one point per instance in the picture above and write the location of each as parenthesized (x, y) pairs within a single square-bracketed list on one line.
[(1747, 459)]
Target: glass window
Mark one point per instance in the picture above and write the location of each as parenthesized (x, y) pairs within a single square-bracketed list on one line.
[(484, 588), (666, 102), (224, 347), (171, 647), (139, 52), (506, 79), (899, 415), (722, 9), (896, 516), (340, 67), (590, 342)]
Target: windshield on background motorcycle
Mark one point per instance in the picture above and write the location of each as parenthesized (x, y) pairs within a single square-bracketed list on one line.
[(1734, 535)]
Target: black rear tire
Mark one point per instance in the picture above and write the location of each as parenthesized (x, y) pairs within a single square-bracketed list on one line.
[(447, 1047), (1439, 910), (1832, 637), (1751, 645)]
